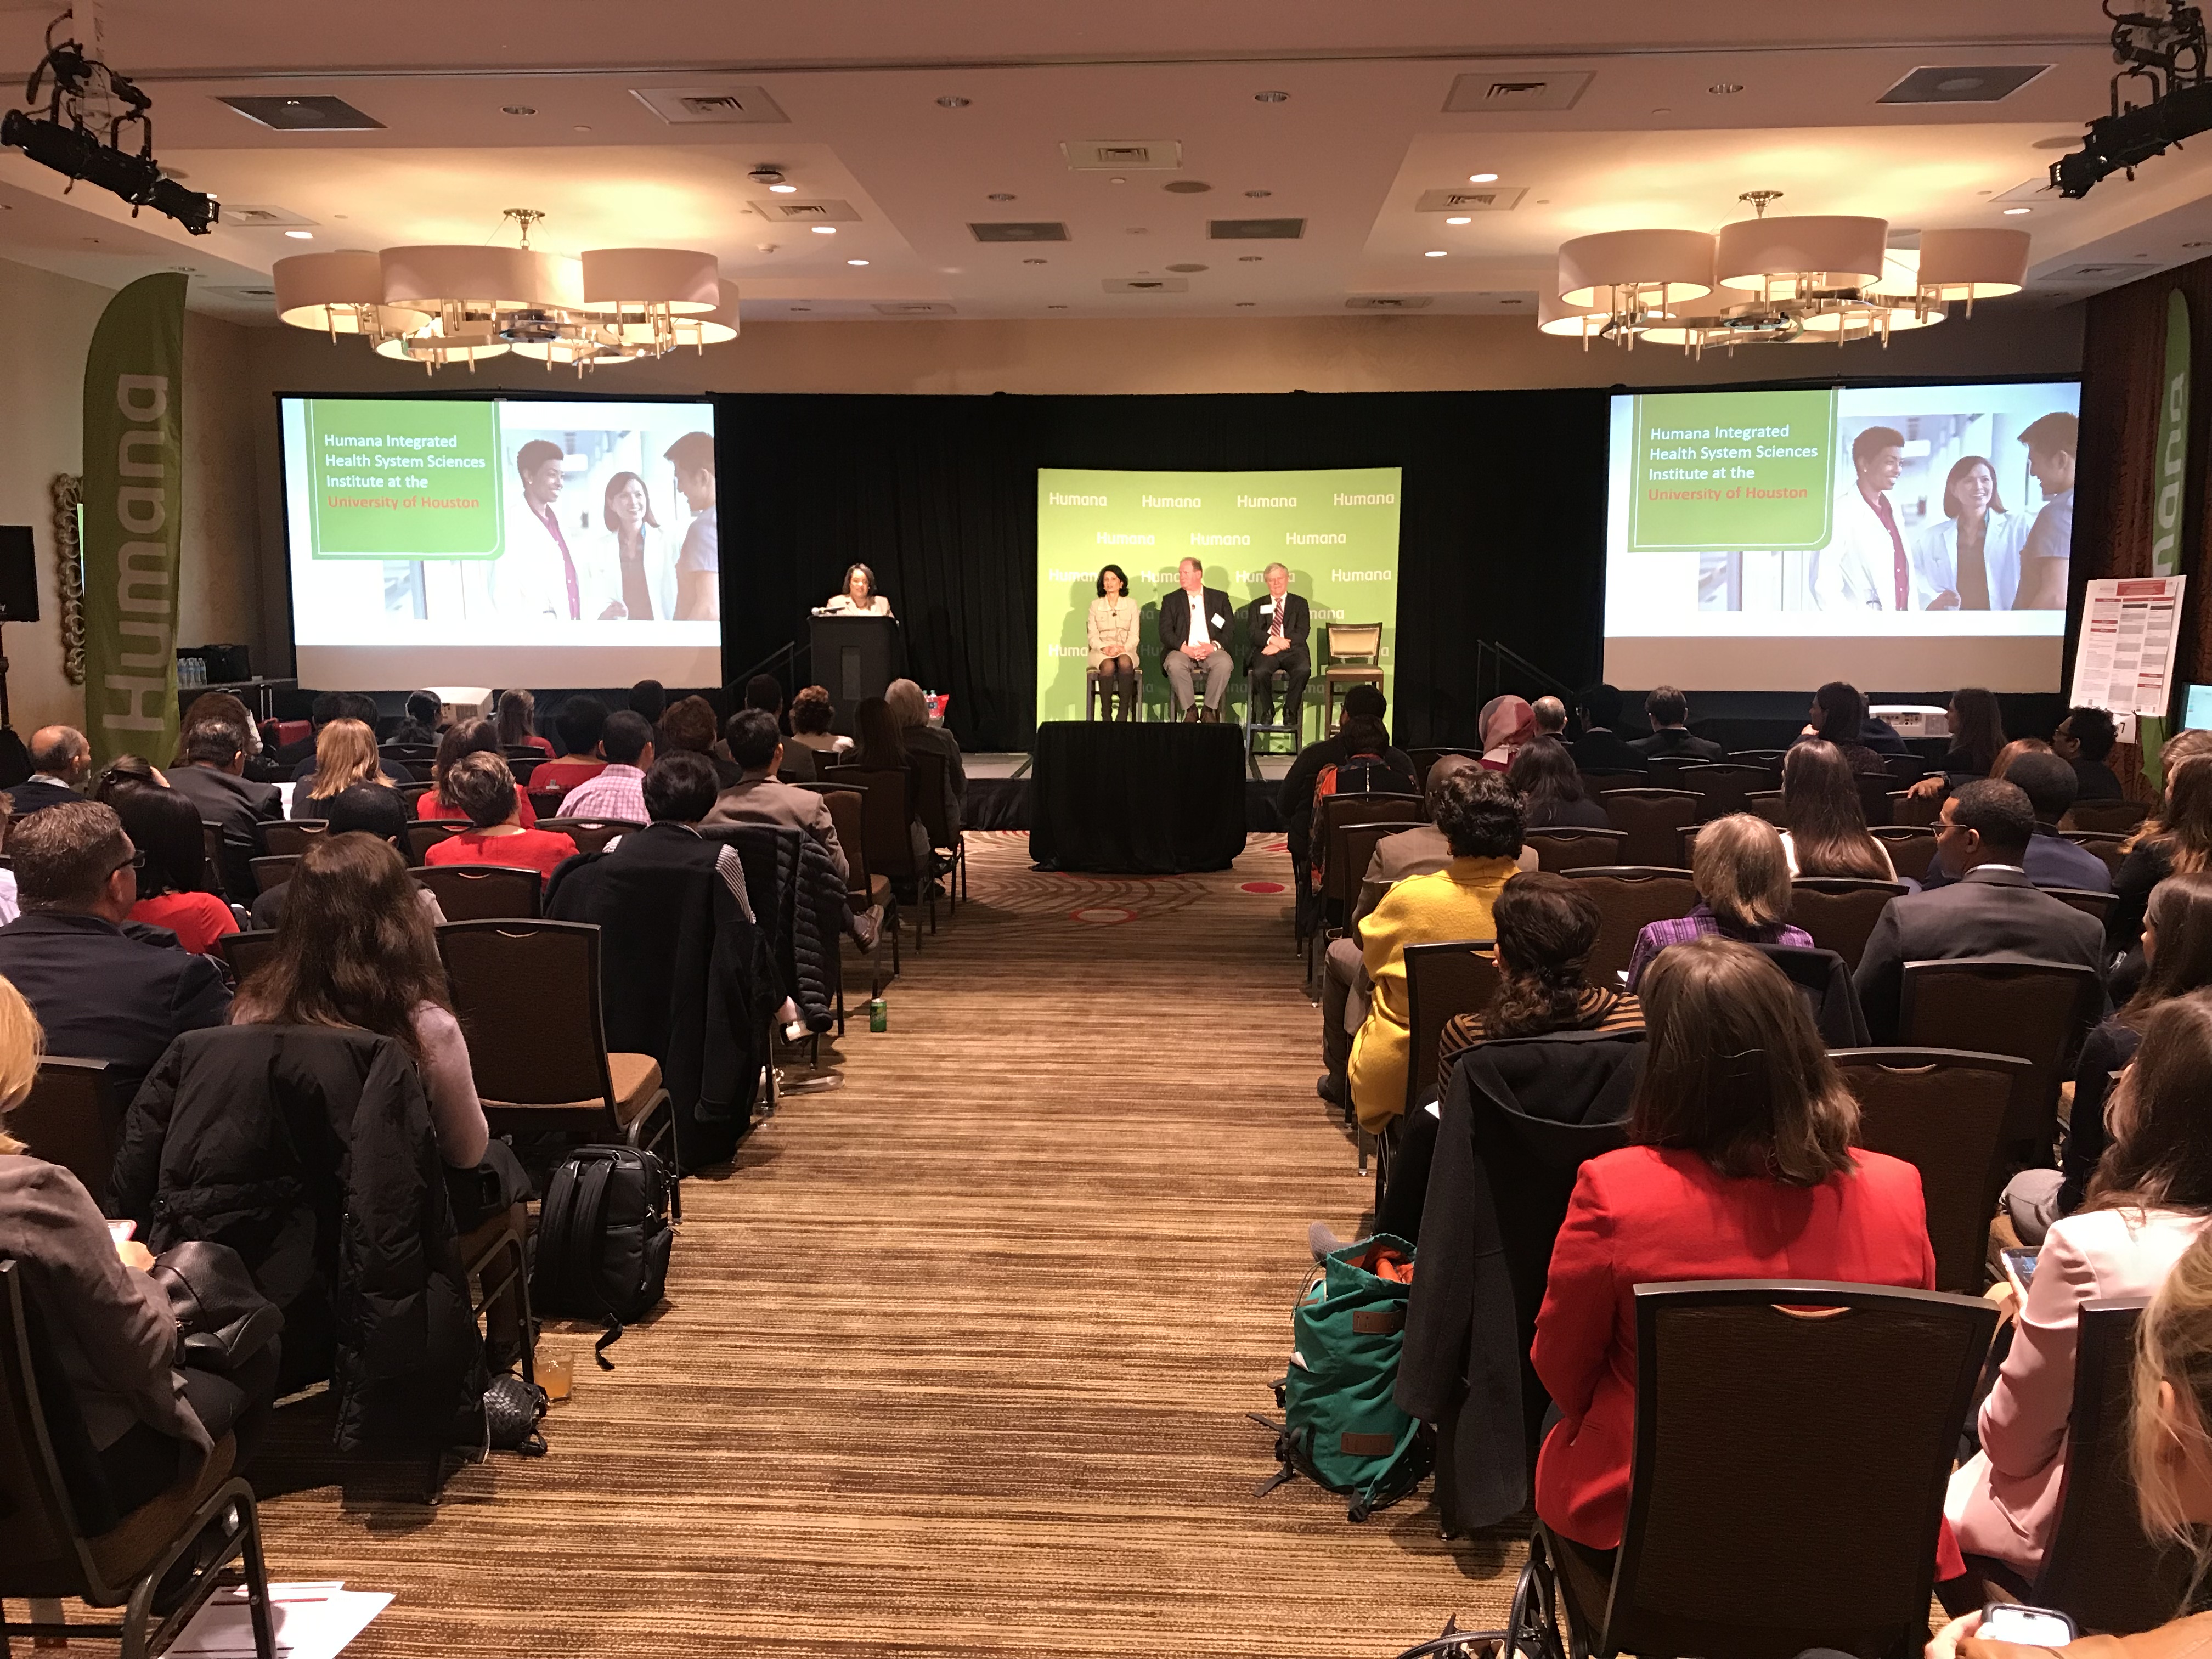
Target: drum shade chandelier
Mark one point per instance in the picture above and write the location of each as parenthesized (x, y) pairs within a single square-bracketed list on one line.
[(1805, 278), (454, 304)]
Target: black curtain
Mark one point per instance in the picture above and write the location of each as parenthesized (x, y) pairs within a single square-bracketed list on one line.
[(1501, 523)]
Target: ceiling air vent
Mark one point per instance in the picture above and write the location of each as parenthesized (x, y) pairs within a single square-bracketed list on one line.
[(707, 106), (1390, 302), (916, 308), (305, 114), (1146, 285), (1020, 230), (1119, 154), (253, 295), (1496, 198), (262, 215), (1255, 230), (809, 213), (1486, 94), (2108, 274), (1969, 83)]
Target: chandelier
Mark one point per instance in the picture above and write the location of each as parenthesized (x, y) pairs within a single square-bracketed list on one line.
[(453, 304), (1802, 279)]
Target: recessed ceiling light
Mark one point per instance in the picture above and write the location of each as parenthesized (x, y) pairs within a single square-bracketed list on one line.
[(856, 262), (580, 127), (952, 101), (1664, 109), (517, 109), (1724, 89), (1434, 253), (825, 230), (2014, 213), (1001, 196), (2196, 244), (300, 235), (1271, 97), (1459, 219), (1117, 181), (1482, 178), (783, 190)]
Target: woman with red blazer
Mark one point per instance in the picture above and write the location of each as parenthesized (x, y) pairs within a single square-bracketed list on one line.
[(1742, 1168)]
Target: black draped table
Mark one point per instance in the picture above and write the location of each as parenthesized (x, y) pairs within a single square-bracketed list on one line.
[(1130, 798)]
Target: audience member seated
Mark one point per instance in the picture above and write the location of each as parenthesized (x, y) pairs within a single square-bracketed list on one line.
[(109, 1326), (2148, 1203), (1294, 798), (2084, 741), (1668, 711), (1837, 715), (418, 728), (2171, 1464), (345, 755), (811, 715), (1600, 748), (1991, 908), (1741, 1167), (328, 707), (1977, 733), (650, 699), (1482, 820), (765, 693), (879, 744), (582, 722), (761, 796), (165, 827), (362, 809), (679, 793), (2175, 840), (516, 719), (2001, 767), (2053, 860), (61, 761), (100, 993), (690, 727), (213, 778), (1550, 716), (126, 772), (1743, 894), (1505, 723), (618, 791), (911, 709), (485, 791), (1543, 775), (2176, 950), (1827, 833), (463, 737)]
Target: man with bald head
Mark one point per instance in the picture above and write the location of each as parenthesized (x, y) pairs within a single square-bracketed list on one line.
[(1551, 716), (61, 760)]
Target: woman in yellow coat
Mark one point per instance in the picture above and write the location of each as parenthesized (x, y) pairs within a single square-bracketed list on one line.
[(1481, 817)]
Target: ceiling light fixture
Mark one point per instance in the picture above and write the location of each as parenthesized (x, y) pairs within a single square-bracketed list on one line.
[(856, 262), (1434, 253), (783, 190), (952, 101), (517, 109), (1482, 178), (300, 235), (2014, 212), (460, 304), (1271, 97), (1001, 196), (1459, 219), (1725, 88), (1259, 195), (824, 230)]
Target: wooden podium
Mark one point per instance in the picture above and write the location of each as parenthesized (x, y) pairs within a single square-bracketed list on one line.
[(855, 658)]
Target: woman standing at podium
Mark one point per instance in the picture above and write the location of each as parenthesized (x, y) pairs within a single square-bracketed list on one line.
[(859, 598), (1113, 627)]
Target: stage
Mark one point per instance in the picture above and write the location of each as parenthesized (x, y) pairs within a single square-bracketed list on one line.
[(997, 799)]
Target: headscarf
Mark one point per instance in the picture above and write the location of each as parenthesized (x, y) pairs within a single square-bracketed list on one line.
[(1506, 723)]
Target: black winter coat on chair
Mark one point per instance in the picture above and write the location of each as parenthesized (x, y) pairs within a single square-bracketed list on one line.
[(310, 1151)]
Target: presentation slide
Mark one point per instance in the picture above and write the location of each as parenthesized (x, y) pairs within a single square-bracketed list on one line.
[(482, 541), (1335, 532), (1905, 537)]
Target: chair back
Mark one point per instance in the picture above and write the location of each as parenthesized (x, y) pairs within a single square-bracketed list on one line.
[(1606, 780), (481, 892), (1629, 898), (1905, 771), (1564, 849), (1457, 976), (73, 1117), (848, 816), (1839, 912), (211, 848), (528, 995), (1378, 806), (1721, 787), (1878, 799), (2038, 1011), (1654, 820), (1351, 848), (424, 834), (2105, 817), (590, 834), (42, 1530), (273, 871), (887, 809), (243, 952), (2113, 850), (1942, 1110), (1911, 846), (1772, 759), (1877, 1387), (1767, 804), (2087, 900), (1839, 1018), (546, 803), (290, 837), (1352, 641), (929, 778), (2100, 1570)]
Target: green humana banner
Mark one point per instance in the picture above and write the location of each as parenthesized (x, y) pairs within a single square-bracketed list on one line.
[(1737, 469), (133, 509), (2171, 457), (1335, 531)]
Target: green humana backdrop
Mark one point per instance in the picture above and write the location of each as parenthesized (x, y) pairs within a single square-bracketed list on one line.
[(1335, 531)]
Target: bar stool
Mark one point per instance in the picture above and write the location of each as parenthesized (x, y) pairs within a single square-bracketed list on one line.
[(1353, 654)]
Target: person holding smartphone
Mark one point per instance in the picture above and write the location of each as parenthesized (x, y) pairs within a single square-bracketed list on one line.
[(2148, 1203)]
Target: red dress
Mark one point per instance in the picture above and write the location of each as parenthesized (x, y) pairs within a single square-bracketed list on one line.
[(1642, 1215), (565, 775), (427, 806), (531, 850), (198, 920)]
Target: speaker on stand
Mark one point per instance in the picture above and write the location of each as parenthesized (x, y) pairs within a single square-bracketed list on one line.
[(18, 602)]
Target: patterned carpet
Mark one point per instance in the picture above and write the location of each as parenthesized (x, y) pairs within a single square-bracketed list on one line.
[(956, 1361)]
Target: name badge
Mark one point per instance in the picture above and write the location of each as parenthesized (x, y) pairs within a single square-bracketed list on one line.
[(1219, 621), (1267, 609)]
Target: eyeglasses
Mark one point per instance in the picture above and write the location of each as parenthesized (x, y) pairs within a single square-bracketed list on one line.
[(135, 861)]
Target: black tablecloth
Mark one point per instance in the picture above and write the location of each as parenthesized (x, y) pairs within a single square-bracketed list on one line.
[(1137, 799)]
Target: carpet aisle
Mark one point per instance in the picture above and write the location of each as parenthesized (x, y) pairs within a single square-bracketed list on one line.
[(956, 1359)]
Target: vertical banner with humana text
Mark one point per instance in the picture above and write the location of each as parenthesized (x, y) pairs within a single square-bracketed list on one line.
[(1334, 532), (134, 450)]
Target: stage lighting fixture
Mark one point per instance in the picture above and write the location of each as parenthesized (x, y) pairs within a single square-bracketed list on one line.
[(86, 94), (2168, 52)]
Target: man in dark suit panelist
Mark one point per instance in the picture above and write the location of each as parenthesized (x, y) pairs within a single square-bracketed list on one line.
[(1991, 909), (1275, 648), (1197, 630)]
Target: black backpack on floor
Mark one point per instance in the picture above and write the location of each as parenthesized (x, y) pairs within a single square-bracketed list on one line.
[(603, 1240)]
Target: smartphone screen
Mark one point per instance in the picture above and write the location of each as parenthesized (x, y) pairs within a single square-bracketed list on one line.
[(2020, 1264), (120, 1232), (2034, 1627)]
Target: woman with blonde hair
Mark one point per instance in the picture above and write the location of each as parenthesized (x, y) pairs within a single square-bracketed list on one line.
[(345, 754), (911, 710), (1743, 893)]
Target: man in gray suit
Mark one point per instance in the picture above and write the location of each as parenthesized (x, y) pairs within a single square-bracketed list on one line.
[(759, 797), (1991, 909)]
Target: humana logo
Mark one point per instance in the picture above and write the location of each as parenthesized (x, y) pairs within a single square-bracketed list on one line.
[(1053, 498), (1198, 539), (1066, 651), (1292, 538), (1173, 500), (1389, 498), (1071, 576), (1267, 500), (1360, 575), (1109, 539)]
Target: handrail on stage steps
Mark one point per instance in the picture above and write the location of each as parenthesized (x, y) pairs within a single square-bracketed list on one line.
[(1499, 670)]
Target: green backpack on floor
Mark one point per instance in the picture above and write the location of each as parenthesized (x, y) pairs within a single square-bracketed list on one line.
[(1341, 1428)]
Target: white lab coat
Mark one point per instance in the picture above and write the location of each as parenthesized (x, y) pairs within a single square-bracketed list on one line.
[(529, 582), (1856, 570), (1936, 557)]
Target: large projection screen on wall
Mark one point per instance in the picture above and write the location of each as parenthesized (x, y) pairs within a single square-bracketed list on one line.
[(1765, 540), (494, 542)]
